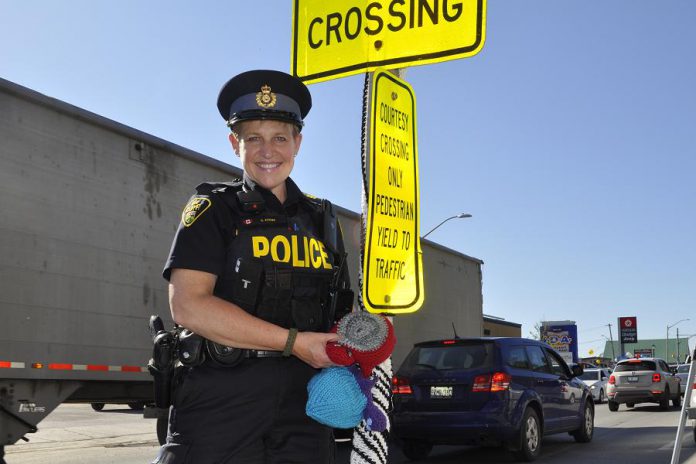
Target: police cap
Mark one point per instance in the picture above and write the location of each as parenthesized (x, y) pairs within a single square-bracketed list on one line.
[(264, 94)]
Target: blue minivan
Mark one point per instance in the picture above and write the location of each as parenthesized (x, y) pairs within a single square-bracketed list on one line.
[(488, 391)]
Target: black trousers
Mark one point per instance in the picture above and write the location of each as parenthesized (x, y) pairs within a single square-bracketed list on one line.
[(253, 413)]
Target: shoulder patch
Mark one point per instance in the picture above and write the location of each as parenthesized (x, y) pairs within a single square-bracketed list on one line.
[(195, 209)]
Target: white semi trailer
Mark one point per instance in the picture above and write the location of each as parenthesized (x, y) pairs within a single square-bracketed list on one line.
[(89, 208)]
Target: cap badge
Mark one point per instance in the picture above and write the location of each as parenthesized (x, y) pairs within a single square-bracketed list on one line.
[(265, 98)]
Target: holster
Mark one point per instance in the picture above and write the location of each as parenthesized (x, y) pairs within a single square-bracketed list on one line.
[(161, 365), (340, 303), (340, 297)]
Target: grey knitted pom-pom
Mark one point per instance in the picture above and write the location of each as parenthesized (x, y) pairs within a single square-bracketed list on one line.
[(362, 331)]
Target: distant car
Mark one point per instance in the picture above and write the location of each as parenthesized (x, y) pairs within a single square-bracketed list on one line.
[(597, 380), (643, 380), (488, 391), (682, 371)]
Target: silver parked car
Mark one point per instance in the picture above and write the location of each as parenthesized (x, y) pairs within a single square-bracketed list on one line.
[(597, 380), (683, 374), (643, 380)]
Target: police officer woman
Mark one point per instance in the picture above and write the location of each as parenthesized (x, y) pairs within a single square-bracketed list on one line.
[(251, 271)]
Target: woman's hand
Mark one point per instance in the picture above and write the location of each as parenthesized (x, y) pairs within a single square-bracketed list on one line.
[(310, 347)]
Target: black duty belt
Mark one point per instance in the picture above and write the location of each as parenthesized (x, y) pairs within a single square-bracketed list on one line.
[(254, 354)]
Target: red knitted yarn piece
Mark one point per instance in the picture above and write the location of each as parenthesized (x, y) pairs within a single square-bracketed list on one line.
[(339, 354), (367, 360)]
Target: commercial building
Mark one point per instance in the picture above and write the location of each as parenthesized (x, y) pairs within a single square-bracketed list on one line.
[(498, 327), (672, 350)]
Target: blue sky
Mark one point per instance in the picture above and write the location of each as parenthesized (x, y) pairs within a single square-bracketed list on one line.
[(570, 138)]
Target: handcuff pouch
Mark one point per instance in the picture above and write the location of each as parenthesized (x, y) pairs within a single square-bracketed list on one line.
[(191, 348)]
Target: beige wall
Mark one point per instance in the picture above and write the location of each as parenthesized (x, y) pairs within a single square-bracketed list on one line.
[(452, 296)]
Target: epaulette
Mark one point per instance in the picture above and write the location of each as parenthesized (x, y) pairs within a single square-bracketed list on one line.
[(315, 203), (206, 188), (247, 201)]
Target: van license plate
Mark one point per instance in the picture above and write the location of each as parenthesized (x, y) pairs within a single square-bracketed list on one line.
[(441, 392), (632, 379)]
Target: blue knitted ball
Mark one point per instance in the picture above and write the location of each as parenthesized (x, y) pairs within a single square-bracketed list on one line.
[(335, 398)]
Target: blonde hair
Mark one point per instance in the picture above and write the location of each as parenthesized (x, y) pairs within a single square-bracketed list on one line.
[(236, 128)]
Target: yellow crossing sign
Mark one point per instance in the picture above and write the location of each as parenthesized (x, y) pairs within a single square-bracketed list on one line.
[(337, 38)]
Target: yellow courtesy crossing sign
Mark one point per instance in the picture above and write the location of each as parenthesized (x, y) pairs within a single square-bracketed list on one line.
[(392, 266), (337, 38)]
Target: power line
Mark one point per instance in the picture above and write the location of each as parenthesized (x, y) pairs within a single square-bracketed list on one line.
[(594, 328), (591, 341)]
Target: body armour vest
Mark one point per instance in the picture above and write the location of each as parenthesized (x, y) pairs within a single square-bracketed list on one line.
[(277, 265)]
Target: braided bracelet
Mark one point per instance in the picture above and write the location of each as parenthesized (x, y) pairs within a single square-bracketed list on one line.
[(292, 334)]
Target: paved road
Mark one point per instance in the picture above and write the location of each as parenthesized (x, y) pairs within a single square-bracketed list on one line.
[(74, 434), (642, 435)]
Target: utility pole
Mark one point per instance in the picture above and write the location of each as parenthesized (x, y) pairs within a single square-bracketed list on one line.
[(611, 340), (678, 345), (667, 340)]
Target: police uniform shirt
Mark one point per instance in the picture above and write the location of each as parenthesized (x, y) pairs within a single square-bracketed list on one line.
[(209, 227), (208, 224)]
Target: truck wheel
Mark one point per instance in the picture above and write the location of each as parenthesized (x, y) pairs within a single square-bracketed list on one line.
[(613, 405), (416, 450), (97, 406), (162, 424), (137, 406), (586, 430), (530, 437), (664, 402)]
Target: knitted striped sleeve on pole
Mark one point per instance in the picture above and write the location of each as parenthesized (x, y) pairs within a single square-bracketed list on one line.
[(370, 447)]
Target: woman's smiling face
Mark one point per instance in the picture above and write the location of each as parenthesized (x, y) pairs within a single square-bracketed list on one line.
[(267, 149)]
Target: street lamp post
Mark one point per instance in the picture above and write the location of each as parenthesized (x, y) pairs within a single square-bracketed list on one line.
[(458, 216), (667, 339)]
